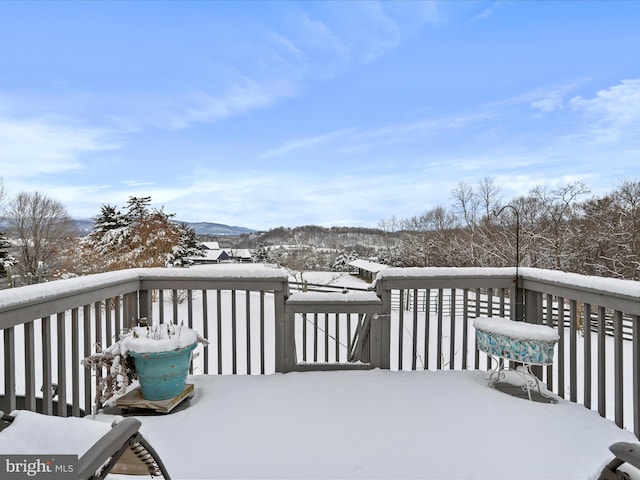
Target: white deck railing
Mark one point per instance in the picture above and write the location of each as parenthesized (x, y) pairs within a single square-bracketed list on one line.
[(417, 318)]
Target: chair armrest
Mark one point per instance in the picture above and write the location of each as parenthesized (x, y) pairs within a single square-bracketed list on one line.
[(627, 452), (113, 443)]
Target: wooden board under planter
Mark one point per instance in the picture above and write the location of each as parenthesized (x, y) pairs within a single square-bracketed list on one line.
[(133, 399)]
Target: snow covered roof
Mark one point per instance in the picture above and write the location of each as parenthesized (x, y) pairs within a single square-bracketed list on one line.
[(367, 265), (240, 253), (213, 255), (211, 245)]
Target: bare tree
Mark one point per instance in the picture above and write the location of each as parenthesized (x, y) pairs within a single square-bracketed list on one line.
[(628, 196), (557, 226), (42, 227), (488, 196), (465, 204), (610, 233)]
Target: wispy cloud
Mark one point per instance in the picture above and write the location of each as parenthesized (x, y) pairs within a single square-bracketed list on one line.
[(356, 139), (549, 104), (177, 111), (486, 12), (33, 147), (135, 183), (304, 143), (614, 113), (548, 98), (411, 132)]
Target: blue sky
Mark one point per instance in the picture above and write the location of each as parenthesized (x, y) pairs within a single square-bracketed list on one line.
[(262, 114)]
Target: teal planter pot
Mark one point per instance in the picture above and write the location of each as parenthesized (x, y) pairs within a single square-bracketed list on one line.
[(162, 375)]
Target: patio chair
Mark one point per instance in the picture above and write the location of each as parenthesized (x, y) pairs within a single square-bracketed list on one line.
[(624, 452), (102, 456)]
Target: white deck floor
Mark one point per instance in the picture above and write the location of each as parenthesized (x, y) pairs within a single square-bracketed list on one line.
[(376, 424)]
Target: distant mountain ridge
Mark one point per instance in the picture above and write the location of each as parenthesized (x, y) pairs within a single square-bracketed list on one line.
[(84, 226), (214, 229), (202, 228)]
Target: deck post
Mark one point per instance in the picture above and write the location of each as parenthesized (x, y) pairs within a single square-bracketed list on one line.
[(380, 344), (284, 333), (533, 307)]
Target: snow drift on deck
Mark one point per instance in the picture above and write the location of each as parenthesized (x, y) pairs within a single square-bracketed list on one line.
[(377, 424)]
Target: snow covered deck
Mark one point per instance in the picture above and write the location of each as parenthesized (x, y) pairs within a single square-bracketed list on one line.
[(376, 424)]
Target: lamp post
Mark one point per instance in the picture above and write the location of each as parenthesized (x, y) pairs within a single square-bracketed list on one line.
[(518, 291)]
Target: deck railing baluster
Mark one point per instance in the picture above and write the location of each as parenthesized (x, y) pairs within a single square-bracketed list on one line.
[(414, 336), (87, 350), (548, 311), (326, 337), (573, 333), (401, 310), (304, 337), (336, 339), (205, 333), (30, 367), (189, 308), (118, 316), (174, 305), (315, 337), (561, 347), (47, 405), (248, 327), (234, 333), (62, 363), (636, 374), (618, 365), (465, 327), (262, 344), (109, 328), (586, 338), (75, 363), (427, 316), (602, 385), (9, 370), (219, 328), (476, 353), (439, 331), (452, 333)]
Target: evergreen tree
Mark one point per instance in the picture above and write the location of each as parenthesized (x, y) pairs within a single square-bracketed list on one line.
[(341, 262), (110, 218), (6, 260), (188, 247), (108, 238), (138, 208), (142, 237), (261, 254)]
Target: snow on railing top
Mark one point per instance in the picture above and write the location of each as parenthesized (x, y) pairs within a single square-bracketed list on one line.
[(27, 295), (610, 286), (397, 275), (221, 271), (445, 272)]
